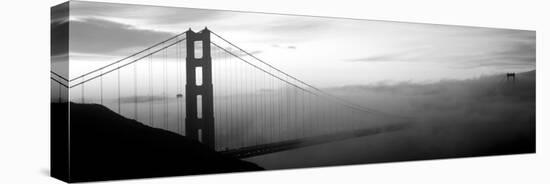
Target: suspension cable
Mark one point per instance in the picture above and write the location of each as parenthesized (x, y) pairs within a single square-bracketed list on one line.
[(120, 60), (121, 66)]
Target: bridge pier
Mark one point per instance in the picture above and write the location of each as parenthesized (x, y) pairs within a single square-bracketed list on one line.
[(199, 120)]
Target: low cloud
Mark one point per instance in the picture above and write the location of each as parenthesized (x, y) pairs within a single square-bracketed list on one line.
[(98, 36), (296, 25), (516, 54), (454, 118), (285, 47), (217, 52), (382, 58)]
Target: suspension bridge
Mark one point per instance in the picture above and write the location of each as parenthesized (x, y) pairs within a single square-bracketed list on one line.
[(205, 87)]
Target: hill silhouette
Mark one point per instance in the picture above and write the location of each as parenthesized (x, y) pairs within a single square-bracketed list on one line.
[(106, 146)]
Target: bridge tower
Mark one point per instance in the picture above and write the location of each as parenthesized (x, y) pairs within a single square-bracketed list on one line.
[(199, 119)]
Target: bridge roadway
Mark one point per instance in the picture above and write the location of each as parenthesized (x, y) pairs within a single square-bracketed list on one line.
[(263, 149)]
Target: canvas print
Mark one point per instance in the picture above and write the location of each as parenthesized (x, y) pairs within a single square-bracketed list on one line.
[(148, 91)]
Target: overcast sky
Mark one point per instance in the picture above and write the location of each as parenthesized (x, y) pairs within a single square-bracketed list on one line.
[(324, 51)]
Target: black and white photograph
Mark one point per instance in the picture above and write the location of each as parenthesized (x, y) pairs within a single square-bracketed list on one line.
[(146, 91), (141, 91)]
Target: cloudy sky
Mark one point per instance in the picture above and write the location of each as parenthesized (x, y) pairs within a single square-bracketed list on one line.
[(323, 51)]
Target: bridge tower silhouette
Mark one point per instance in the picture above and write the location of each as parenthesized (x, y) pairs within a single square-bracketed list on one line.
[(199, 120)]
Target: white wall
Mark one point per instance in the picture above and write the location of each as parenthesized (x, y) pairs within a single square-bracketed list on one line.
[(24, 119)]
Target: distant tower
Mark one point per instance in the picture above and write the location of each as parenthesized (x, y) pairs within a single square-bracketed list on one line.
[(511, 75), (199, 120)]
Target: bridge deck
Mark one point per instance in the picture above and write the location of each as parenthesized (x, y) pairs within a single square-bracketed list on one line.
[(252, 151)]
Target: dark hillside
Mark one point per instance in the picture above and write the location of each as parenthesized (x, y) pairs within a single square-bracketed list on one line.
[(105, 146)]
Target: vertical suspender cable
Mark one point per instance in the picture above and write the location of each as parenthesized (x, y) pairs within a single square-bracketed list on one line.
[(262, 93), (101, 87), (135, 92), (166, 88), (178, 87), (271, 109), (232, 101), (151, 91), (118, 85), (59, 92), (256, 108), (82, 92), (303, 113), (227, 102), (165, 73), (239, 102)]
